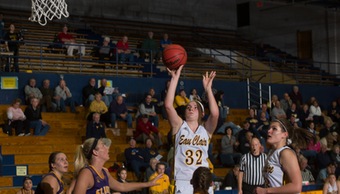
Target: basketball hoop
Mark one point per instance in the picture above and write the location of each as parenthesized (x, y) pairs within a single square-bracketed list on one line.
[(44, 10)]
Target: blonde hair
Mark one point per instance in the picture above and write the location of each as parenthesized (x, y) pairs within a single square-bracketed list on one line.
[(81, 160)]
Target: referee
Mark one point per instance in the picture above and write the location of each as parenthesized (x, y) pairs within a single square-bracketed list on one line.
[(251, 167)]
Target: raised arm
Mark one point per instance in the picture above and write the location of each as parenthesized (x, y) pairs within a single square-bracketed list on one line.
[(211, 123), (174, 120)]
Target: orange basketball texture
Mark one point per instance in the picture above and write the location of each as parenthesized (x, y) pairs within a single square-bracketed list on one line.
[(174, 55)]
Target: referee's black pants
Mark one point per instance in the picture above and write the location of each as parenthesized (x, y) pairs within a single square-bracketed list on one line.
[(249, 189)]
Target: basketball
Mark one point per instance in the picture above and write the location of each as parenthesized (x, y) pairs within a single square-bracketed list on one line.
[(174, 56)]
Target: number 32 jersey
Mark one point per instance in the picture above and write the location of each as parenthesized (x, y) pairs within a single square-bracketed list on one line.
[(191, 151)]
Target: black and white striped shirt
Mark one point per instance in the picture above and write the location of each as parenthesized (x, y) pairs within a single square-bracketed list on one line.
[(252, 168)]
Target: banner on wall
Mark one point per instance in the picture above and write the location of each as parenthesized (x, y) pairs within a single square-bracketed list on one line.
[(9, 83)]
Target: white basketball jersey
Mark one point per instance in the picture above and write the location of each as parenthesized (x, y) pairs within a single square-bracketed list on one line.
[(191, 151), (274, 175)]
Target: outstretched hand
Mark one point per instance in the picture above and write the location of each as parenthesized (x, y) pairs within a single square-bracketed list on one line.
[(208, 79), (175, 73)]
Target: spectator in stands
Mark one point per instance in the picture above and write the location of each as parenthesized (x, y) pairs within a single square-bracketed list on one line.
[(155, 100), (264, 108), (134, 158), (296, 96), (272, 104), (311, 101), (118, 111), (2, 26), (278, 112), (124, 52), (311, 128), (145, 130), (230, 180), (149, 48), (304, 115), (16, 118), (89, 91), (323, 158), (181, 102), (46, 102), (106, 51), (146, 108), (95, 128), (34, 119), (335, 155), (334, 111), (151, 169), (325, 172), (329, 128), (163, 183), (27, 186), (251, 168), (163, 43), (223, 110), (122, 178), (70, 42), (228, 156), (202, 180), (252, 119), (316, 113), (149, 151), (12, 44), (293, 111), (163, 95), (108, 92), (245, 143), (63, 97), (305, 172), (331, 185), (31, 91), (263, 125), (194, 95), (98, 106), (286, 102)]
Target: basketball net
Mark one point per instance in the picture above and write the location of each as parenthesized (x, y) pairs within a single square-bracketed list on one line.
[(44, 10)]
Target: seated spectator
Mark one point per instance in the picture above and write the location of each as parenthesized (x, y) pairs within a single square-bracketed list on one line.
[(163, 183), (34, 119), (264, 108), (296, 96), (223, 110), (329, 128), (63, 97), (98, 106), (325, 172), (122, 178), (16, 118), (252, 119), (95, 128), (107, 92), (89, 91), (304, 115), (305, 172), (334, 111), (145, 130), (180, 102), (335, 156), (263, 124), (155, 100), (46, 102), (230, 180), (70, 42), (286, 102), (323, 158), (134, 159), (106, 51), (150, 169), (27, 186), (272, 104), (292, 110), (31, 91), (228, 156), (294, 122), (118, 111), (149, 151), (245, 143), (163, 43), (124, 52), (331, 185), (316, 113), (163, 95), (149, 48), (194, 95), (147, 108), (278, 112), (12, 45)]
